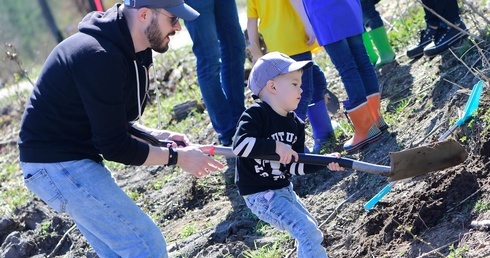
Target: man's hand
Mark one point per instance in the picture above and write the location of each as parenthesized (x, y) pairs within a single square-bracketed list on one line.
[(193, 160), (178, 137)]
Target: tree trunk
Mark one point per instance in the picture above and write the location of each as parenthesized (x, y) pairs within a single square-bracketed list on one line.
[(48, 15)]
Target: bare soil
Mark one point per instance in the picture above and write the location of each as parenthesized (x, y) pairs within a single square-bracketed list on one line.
[(427, 216)]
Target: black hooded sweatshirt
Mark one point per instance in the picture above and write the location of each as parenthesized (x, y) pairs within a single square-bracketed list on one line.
[(91, 87)]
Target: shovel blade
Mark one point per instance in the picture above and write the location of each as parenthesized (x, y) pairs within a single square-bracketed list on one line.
[(422, 160)]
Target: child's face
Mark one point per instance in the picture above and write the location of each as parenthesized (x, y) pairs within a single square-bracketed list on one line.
[(288, 87)]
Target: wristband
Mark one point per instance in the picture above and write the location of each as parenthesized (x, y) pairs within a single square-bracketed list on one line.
[(172, 157)]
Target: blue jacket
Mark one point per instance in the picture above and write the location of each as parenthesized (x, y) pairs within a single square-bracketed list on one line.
[(86, 95), (334, 20)]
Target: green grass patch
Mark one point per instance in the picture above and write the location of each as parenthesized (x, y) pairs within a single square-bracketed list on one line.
[(188, 230), (405, 30), (114, 167), (399, 111), (457, 252), (13, 193), (481, 205), (273, 250), (134, 195), (13, 196)]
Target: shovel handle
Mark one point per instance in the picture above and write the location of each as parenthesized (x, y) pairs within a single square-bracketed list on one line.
[(449, 131), (314, 160)]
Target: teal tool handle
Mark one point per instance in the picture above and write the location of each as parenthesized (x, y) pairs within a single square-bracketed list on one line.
[(371, 203), (449, 131)]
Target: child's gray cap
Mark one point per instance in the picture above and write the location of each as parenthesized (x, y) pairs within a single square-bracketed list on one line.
[(270, 66)]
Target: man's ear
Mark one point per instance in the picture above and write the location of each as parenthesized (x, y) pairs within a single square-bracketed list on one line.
[(271, 86), (144, 15)]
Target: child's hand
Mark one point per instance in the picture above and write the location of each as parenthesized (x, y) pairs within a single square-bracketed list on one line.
[(334, 166), (285, 153)]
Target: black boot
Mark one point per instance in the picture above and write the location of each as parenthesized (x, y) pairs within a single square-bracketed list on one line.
[(426, 37), (445, 39)]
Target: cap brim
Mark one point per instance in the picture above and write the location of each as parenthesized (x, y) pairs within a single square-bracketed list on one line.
[(298, 65), (183, 11)]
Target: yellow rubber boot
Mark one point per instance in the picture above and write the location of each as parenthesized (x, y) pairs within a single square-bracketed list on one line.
[(365, 130), (374, 102)]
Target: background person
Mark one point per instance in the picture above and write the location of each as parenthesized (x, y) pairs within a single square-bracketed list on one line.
[(338, 27), (219, 47), (438, 36), (376, 33)]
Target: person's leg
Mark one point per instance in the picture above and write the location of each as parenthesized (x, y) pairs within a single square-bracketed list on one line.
[(430, 18), (206, 48), (370, 17), (365, 128), (364, 67), (319, 84), (317, 111), (447, 34), (449, 10), (232, 42), (112, 223), (428, 34), (281, 209), (380, 38), (98, 245), (343, 59), (360, 80), (374, 102), (377, 34)]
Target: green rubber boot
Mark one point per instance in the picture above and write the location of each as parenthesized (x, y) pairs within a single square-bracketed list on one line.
[(373, 57), (380, 39)]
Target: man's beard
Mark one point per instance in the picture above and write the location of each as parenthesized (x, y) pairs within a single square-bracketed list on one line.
[(154, 36)]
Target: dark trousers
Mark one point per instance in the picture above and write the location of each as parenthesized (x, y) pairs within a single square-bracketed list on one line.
[(448, 9)]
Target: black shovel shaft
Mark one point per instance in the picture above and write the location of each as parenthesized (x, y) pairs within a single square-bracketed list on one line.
[(318, 160), (308, 159)]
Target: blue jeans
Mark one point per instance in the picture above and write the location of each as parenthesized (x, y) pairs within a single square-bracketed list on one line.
[(219, 47), (356, 71), (84, 189), (284, 210), (370, 15), (313, 84)]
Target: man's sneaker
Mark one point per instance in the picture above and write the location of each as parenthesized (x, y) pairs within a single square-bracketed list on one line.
[(426, 37), (445, 40)]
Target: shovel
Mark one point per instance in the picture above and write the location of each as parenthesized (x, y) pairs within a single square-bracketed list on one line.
[(470, 108), (404, 164)]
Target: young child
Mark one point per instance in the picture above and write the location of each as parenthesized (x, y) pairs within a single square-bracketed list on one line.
[(277, 20), (270, 127)]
